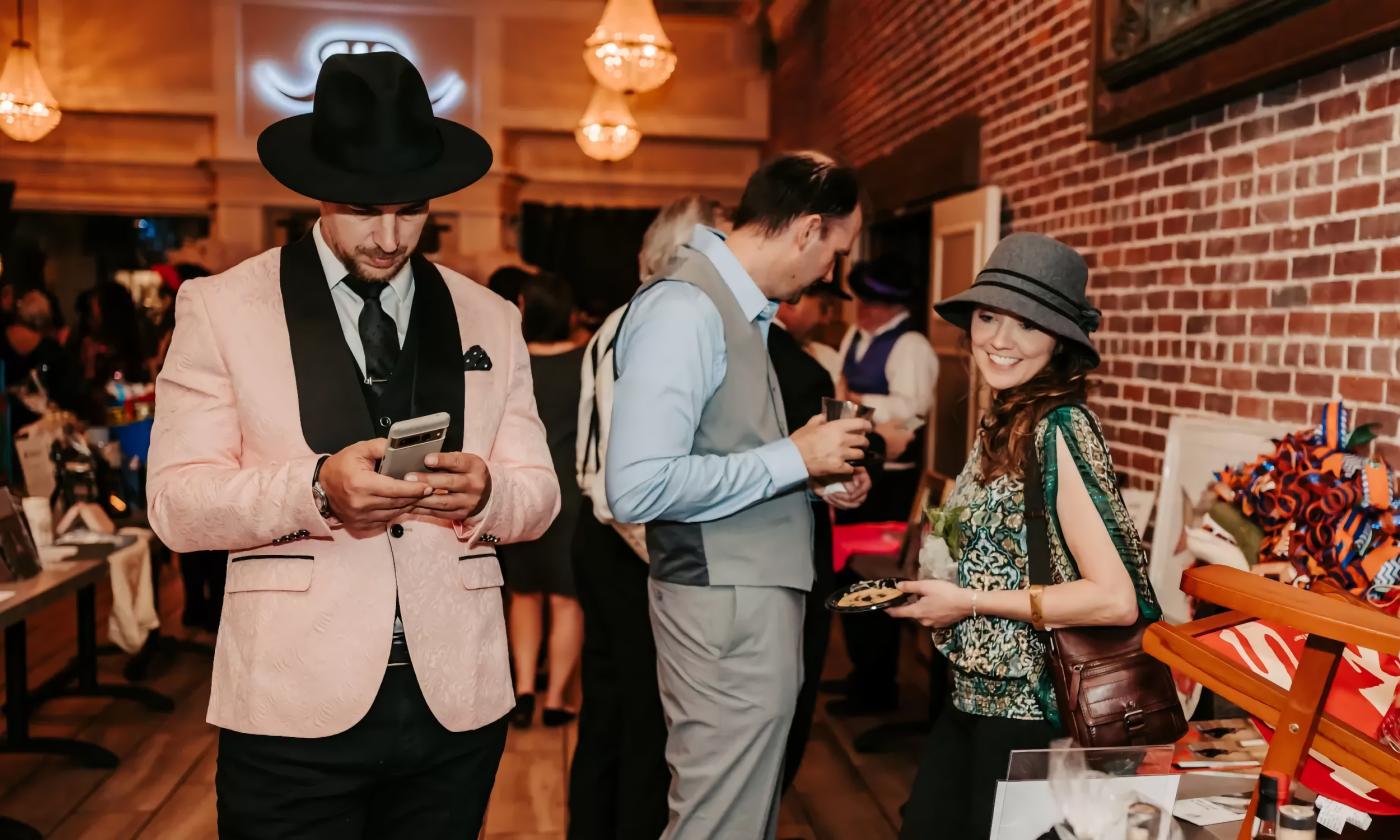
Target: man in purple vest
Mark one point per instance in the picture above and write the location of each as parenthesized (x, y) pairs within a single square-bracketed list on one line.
[(887, 363)]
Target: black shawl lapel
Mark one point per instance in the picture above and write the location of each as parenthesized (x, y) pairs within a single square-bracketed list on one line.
[(333, 410), (440, 383)]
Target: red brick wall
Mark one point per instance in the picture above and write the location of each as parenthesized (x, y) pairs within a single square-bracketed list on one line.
[(1247, 260)]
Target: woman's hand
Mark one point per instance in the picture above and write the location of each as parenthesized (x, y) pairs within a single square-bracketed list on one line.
[(940, 603)]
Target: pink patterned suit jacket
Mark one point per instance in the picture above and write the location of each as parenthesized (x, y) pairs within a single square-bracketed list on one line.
[(309, 608)]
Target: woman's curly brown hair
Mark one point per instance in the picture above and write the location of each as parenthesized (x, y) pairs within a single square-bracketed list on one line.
[(1007, 430)]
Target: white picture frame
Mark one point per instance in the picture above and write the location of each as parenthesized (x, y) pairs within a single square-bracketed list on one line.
[(1197, 448)]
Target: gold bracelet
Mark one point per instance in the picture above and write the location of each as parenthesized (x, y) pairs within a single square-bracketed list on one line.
[(974, 603), (1037, 617)]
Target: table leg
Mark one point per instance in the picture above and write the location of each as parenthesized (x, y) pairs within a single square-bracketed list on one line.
[(86, 664), (18, 706)]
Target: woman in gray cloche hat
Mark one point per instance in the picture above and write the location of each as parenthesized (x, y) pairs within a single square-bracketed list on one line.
[(1028, 323)]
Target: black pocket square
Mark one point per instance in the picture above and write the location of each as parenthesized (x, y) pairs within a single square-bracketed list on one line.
[(476, 359)]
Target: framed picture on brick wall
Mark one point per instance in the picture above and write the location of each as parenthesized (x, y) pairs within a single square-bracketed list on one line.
[(1158, 61)]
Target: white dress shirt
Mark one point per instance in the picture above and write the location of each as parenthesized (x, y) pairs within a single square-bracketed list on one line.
[(826, 357), (396, 297), (911, 370), (596, 394)]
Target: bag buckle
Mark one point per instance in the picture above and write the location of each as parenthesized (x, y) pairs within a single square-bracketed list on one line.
[(1134, 720)]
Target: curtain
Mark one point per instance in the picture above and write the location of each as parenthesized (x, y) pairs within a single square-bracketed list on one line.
[(594, 248)]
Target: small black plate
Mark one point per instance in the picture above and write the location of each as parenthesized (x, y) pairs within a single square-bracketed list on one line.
[(834, 599)]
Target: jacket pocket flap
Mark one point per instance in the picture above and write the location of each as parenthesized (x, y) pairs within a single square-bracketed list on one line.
[(480, 571), (278, 572)]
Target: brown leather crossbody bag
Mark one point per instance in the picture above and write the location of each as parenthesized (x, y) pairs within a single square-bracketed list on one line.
[(1110, 693)]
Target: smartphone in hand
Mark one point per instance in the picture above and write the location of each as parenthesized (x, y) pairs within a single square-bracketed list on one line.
[(412, 441)]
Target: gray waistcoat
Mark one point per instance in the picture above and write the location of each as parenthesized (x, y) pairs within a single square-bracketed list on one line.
[(769, 543)]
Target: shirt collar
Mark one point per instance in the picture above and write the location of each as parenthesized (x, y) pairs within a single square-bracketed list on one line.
[(335, 271), (752, 302), (887, 326)]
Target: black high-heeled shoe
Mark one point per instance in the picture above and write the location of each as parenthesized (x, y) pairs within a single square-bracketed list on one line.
[(524, 712), (557, 717)]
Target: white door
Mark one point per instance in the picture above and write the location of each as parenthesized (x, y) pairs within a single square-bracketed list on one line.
[(965, 229)]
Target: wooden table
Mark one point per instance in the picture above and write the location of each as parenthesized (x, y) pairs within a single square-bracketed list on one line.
[(78, 577)]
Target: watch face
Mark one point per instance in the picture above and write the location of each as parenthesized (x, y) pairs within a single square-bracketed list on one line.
[(323, 504)]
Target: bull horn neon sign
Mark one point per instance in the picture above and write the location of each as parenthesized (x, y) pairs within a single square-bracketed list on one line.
[(293, 96)]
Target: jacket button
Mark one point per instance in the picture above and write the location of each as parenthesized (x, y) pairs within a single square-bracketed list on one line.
[(396, 531), (386, 422)]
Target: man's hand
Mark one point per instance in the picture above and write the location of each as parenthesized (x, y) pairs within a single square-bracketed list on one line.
[(361, 498), (857, 488), (459, 482), (826, 446)]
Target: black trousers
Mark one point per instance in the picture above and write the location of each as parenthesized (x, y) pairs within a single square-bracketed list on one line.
[(619, 778), (396, 774), (872, 639), (955, 790), (816, 634)]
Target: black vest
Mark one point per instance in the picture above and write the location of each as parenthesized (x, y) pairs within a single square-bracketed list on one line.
[(337, 409)]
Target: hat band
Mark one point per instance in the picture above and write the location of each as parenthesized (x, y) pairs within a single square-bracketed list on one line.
[(1073, 318), (1029, 279), (881, 288)]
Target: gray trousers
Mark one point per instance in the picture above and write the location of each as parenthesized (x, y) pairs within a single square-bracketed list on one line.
[(729, 664)]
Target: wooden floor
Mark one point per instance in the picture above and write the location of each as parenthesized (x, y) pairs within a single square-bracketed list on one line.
[(164, 786)]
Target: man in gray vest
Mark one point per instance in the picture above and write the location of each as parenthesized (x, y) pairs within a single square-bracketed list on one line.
[(700, 452)]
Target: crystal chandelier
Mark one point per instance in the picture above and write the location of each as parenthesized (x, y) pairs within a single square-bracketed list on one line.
[(28, 110), (629, 52), (607, 131)]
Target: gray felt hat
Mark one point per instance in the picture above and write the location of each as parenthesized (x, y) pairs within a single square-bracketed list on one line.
[(1036, 278)]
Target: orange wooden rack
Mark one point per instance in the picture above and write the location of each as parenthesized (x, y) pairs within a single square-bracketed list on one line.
[(1333, 619)]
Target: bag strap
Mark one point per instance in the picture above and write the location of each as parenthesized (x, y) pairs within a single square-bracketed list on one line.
[(1037, 521), (1037, 528), (590, 451)]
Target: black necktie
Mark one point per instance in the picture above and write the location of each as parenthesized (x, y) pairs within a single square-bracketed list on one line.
[(378, 332)]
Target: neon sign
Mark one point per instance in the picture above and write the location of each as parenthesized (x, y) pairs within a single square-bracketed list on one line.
[(294, 96)]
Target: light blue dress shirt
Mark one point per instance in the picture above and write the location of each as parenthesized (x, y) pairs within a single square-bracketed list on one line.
[(671, 360), (396, 297)]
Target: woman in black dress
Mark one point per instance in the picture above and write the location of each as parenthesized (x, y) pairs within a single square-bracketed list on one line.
[(542, 571)]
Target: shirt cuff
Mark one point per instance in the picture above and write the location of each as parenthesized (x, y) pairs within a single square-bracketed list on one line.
[(883, 405), (784, 463)]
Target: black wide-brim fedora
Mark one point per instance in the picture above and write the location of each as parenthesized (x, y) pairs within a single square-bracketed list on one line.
[(829, 288), (1033, 277), (372, 138), (885, 279)]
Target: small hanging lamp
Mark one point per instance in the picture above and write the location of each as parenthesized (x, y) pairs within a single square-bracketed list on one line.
[(628, 51), (28, 110), (607, 130)]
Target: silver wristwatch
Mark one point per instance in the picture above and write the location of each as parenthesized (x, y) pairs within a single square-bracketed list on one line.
[(323, 504)]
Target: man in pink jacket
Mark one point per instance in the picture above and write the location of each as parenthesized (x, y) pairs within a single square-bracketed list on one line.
[(360, 679)]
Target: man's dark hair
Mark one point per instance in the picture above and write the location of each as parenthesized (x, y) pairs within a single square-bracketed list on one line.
[(793, 185), (549, 305), (507, 281)]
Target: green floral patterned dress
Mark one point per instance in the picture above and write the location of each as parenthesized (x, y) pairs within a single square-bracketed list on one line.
[(999, 665)]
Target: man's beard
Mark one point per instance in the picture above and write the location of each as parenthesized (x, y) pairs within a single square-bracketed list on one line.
[(369, 273)]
